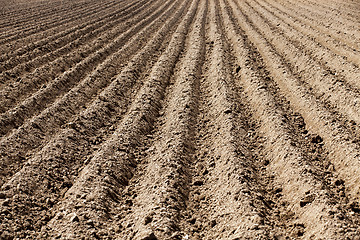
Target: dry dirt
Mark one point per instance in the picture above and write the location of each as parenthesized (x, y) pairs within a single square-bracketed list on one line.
[(183, 119)]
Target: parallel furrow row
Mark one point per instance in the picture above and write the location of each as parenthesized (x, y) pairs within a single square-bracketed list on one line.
[(335, 64), (13, 24), (221, 205), (350, 51), (185, 119), (16, 89), (16, 10), (61, 40), (316, 117), (57, 169), (29, 37), (342, 26), (160, 186), (24, 22), (38, 129), (334, 8), (293, 169), (323, 81), (38, 101), (116, 160), (26, 12), (35, 41), (54, 22), (314, 112)]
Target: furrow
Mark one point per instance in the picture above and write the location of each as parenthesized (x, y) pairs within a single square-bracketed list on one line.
[(324, 38), (18, 89), (305, 194), (27, 17), (56, 14), (345, 4), (160, 186), (15, 42), (334, 8), (61, 31), (58, 163), (64, 41), (36, 131), (15, 11), (19, 9), (11, 32), (185, 119), (31, 14), (23, 23), (344, 150), (42, 27), (343, 27), (333, 63), (322, 81), (221, 205), (35, 103), (99, 206)]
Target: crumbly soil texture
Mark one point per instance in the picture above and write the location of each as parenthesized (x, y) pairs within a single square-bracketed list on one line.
[(181, 119)]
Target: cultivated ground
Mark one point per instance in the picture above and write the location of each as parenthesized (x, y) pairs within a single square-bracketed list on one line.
[(181, 119)]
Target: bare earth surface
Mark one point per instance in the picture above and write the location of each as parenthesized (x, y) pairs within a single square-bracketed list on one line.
[(181, 119)]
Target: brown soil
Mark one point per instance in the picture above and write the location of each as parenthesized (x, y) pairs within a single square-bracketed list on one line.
[(184, 119)]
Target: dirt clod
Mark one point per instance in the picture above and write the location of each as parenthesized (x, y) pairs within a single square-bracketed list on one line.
[(198, 183), (307, 200), (150, 237), (317, 139)]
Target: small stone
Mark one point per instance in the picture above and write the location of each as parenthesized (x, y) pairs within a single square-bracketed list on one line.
[(90, 223), (227, 111), (339, 182), (254, 227), (74, 217), (257, 220), (2, 195), (331, 168), (148, 236), (354, 206), (316, 139), (198, 183), (212, 223), (107, 179), (59, 215), (148, 220), (306, 200), (49, 202), (6, 202), (129, 202), (300, 233), (118, 228), (71, 125)]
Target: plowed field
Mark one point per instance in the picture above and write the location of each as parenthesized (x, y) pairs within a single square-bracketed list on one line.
[(182, 119)]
